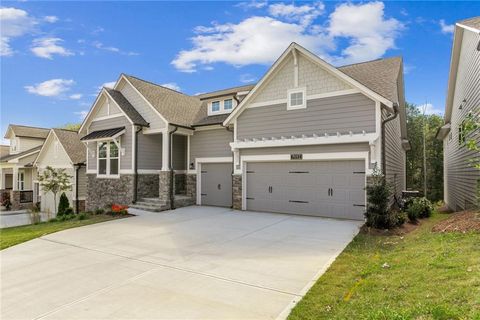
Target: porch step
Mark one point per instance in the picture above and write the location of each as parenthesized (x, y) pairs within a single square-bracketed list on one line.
[(150, 204)]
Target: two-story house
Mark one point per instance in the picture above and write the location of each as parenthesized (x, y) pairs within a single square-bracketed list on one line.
[(303, 140), (460, 177), (17, 173)]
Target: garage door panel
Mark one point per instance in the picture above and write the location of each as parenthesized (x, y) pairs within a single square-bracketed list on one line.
[(216, 184), (320, 188)]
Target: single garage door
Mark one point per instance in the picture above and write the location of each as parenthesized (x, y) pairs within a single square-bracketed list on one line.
[(216, 184), (319, 188)]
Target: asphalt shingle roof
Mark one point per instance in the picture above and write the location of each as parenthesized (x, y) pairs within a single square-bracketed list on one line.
[(127, 107), (471, 22), (225, 92), (74, 148), (30, 132)]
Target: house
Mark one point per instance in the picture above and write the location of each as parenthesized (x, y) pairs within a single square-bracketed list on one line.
[(16, 166), (63, 149), (461, 179), (303, 140)]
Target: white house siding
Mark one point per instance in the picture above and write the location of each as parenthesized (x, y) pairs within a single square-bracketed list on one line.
[(353, 112), (210, 143), (460, 177), (28, 143), (47, 202), (52, 155), (394, 155), (140, 104), (310, 75), (125, 141)]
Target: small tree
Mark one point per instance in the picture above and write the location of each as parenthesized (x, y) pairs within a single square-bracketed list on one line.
[(471, 128), (63, 205), (378, 212), (54, 181)]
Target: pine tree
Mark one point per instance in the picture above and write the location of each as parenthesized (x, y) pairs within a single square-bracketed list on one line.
[(63, 205)]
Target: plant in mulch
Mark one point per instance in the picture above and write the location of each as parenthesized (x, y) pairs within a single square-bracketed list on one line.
[(117, 209), (378, 214), (6, 203), (418, 208)]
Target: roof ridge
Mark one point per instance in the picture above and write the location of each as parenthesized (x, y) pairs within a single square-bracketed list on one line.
[(224, 89), (63, 129), (32, 127), (158, 85), (369, 61)]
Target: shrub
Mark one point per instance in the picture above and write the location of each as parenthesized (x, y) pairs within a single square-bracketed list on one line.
[(63, 204), (5, 201), (69, 211), (99, 211), (419, 208), (53, 220), (82, 216), (378, 212)]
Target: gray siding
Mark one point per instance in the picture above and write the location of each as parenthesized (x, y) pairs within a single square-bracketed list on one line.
[(149, 151), (349, 147), (126, 141), (210, 143), (461, 178), (394, 155), (353, 112), (82, 182), (179, 152)]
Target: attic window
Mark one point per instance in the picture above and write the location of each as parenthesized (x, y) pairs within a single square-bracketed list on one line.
[(296, 99), (215, 106), (220, 106)]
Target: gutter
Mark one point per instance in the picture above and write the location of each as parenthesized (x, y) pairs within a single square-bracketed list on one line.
[(135, 169), (172, 196), (384, 122)]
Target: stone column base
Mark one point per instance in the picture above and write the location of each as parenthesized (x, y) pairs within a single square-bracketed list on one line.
[(191, 187), (237, 191), (164, 186)]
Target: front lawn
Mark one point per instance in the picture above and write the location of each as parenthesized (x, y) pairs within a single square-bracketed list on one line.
[(421, 275), (15, 235)]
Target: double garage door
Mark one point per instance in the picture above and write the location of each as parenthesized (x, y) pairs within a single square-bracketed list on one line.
[(319, 188)]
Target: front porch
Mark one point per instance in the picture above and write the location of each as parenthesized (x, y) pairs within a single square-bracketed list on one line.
[(17, 184)]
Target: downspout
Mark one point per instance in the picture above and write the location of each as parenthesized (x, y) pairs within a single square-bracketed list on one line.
[(77, 169), (233, 153), (135, 169), (172, 196), (384, 122)]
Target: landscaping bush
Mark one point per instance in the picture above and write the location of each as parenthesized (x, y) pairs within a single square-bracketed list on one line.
[(378, 212), (69, 211), (5, 201), (99, 211), (63, 205), (82, 216), (419, 208)]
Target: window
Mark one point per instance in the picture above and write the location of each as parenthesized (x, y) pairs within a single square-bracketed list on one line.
[(108, 159), (215, 106), (296, 99), (13, 146), (227, 104), (21, 181)]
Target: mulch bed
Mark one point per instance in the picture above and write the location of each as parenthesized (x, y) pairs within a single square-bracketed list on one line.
[(407, 227), (459, 222)]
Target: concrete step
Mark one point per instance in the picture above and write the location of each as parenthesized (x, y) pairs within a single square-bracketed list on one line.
[(152, 200), (148, 208)]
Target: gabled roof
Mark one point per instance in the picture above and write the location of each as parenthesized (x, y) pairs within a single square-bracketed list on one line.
[(20, 154), (28, 132), (4, 150), (72, 145), (127, 107), (225, 92), (473, 23), (177, 108)]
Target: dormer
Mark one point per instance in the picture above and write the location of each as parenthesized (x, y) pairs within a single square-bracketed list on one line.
[(224, 101), (23, 138), (221, 105)]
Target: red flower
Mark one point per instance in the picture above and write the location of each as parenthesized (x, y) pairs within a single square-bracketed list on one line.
[(118, 208)]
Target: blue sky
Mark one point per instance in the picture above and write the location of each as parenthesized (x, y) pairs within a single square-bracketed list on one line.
[(55, 55)]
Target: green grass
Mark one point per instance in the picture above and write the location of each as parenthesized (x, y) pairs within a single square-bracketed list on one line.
[(431, 276), (15, 235)]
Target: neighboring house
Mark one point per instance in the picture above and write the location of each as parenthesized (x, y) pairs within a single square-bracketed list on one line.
[(64, 150), (461, 179), (16, 168), (303, 140)]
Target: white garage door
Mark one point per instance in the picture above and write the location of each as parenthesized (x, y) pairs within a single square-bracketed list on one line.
[(319, 188), (216, 184)]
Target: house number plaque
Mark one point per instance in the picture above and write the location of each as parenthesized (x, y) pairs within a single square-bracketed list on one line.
[(296, 156)]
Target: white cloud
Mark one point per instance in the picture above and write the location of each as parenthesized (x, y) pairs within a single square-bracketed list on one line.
[(47, 47), (5, 48), (251, 4), (51, 88), (110, 85), (50, 19), (76, 96), (171, 85), (247, 78), (304, 14), (429, 109), (261, 39), (446, 28), (99, 45), (369, 33), (81, 114)]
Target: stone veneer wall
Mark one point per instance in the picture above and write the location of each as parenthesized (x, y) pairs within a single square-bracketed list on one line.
[(164, 186), (191, 187), (180, 182), (103, 192), (147, 186), (237, 191)]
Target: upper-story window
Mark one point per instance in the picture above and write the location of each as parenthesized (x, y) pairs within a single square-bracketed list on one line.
[(296, 99), (13, 145), (108, 159), (221, 106)]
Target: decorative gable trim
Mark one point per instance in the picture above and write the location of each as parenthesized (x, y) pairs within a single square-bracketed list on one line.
[(293, 48)]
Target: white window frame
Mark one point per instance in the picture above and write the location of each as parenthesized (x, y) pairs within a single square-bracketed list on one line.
[(14, 145), (222, 109), (303, 91), (108, 158), (21, 180)]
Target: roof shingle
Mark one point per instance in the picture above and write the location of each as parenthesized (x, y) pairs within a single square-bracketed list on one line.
[(127, 107), (471, 22), (29, 132), (74, 148)]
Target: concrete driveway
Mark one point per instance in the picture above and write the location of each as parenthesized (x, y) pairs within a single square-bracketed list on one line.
[(190, 263)]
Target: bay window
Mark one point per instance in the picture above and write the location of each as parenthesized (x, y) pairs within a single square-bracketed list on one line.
[(108, 159)]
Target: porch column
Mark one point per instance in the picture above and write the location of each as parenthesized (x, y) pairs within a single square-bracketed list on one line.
[(2, 180), (165, 151), (15, 179)]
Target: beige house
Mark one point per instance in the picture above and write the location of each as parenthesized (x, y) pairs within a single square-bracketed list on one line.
[(16, 167), (461, 179), (63, 150)]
